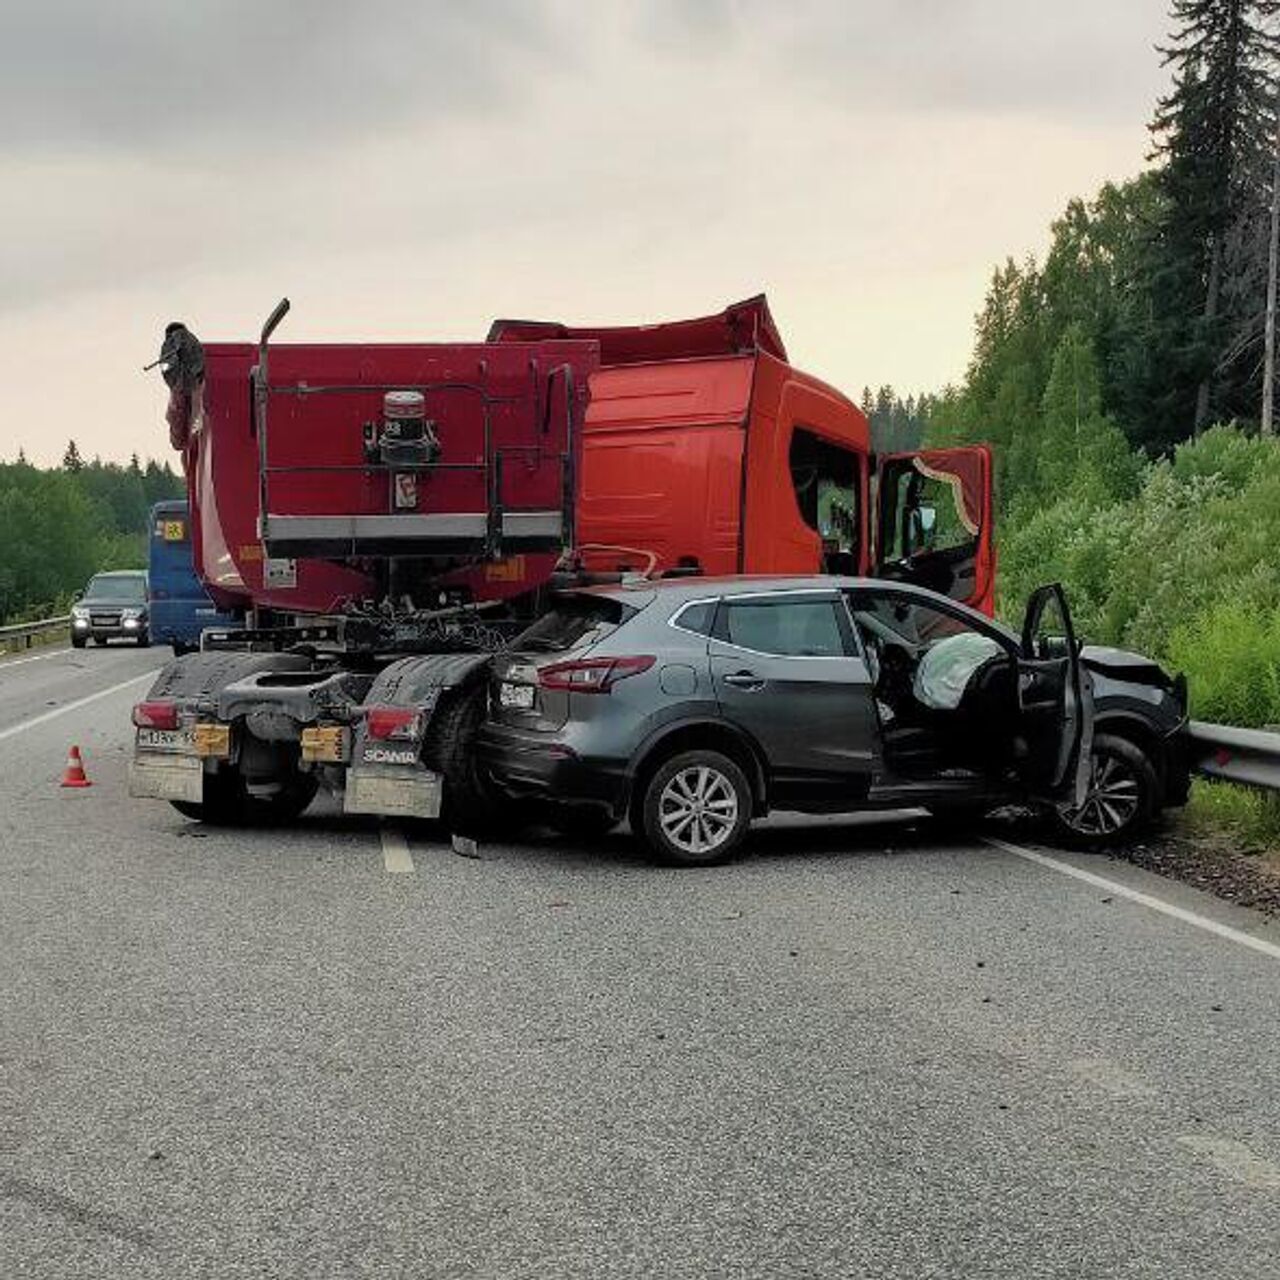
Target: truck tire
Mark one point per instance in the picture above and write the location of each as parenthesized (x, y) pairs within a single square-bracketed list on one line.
[(1123, 797), (695, 809), (469, 807), (78, 642)]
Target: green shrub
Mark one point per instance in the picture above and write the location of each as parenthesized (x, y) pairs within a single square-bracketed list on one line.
[(1230, 653)]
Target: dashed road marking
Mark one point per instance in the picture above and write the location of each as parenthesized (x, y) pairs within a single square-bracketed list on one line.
[(396, 857), (1237, 936), (46, 716), (5, 664)]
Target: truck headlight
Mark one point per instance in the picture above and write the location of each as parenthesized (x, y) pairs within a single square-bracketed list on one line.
[(79, 614)]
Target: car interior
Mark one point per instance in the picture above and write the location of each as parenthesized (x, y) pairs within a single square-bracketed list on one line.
[(946, 694)]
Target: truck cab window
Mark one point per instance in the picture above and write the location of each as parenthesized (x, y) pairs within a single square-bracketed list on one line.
[(931, 517), (826, 480)]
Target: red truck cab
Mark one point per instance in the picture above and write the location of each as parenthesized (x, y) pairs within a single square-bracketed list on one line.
[(705, 450)]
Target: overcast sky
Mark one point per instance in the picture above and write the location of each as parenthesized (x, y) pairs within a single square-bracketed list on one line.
[(412, 168)]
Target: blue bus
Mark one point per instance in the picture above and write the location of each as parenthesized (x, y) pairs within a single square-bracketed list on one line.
[(178, 604)]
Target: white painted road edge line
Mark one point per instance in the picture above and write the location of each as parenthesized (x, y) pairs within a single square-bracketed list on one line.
[(1142, 899), (75, 706), (396, 857)]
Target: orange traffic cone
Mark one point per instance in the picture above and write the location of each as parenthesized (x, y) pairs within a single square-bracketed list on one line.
[(73, 775)]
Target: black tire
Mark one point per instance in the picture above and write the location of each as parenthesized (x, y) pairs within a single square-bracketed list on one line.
[(1123, 800), (578, 822), (227, 803), (78, 642), (144, 640), (469, 806), (710, 794)]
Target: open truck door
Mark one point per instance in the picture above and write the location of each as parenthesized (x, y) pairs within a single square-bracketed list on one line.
[(933, 525), (1055, 702)]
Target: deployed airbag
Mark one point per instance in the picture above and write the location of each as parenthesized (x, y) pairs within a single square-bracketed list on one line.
[(945, 669)]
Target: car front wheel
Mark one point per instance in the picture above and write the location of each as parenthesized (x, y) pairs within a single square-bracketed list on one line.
[(695, 810), (1121, 799)]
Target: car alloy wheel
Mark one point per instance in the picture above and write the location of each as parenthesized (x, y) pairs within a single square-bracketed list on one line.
[(1112, 802), (698, 810)]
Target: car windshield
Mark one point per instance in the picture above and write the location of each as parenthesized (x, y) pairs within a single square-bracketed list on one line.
[(125, 588), (575, 621)]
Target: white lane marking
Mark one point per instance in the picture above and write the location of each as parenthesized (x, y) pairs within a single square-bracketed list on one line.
[(1143, 899), (44, 718), (1234, 1160), (396, 857), (39, 657)]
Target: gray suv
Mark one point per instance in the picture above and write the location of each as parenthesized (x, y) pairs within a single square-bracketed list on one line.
[(694, 705)]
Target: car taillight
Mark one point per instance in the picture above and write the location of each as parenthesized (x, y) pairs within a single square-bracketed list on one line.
[(156, 715), (399, 723), (593, 675)]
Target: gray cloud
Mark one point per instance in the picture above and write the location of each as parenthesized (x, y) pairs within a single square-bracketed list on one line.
[(1078, 60), (160, 75)]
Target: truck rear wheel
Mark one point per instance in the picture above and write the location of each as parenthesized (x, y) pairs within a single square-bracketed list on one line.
[(469, 806), (228, 803)]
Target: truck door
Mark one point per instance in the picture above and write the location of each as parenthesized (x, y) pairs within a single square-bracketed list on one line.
[(1055, 703), (933, 525)]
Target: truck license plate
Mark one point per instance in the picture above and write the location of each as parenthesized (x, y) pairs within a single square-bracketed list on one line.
[(177, 741), (519, 696)]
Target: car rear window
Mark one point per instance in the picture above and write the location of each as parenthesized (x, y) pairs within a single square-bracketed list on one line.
[(698, 617), (574, 621)]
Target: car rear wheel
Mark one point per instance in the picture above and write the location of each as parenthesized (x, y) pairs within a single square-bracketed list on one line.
[(1122, 796), (695, 809)]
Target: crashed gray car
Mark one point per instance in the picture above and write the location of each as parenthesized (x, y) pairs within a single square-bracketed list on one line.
[(692, 706)]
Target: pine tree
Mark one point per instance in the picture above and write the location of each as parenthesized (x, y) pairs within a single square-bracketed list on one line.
[(1214, 131), (71, 460)]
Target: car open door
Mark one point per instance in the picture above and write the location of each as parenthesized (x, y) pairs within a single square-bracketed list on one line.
[(1055, 701), (933, 522)]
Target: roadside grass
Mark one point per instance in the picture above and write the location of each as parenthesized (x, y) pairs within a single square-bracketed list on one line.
[(1249, 819)]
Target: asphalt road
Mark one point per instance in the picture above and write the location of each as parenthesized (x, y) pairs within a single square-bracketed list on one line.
[(866, 1050)]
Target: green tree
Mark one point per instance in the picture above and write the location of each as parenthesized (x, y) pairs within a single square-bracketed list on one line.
[(71, 460), (1214, 132)]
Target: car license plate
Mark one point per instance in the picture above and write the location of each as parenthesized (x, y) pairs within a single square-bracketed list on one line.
[(177, 741), (518, 696)]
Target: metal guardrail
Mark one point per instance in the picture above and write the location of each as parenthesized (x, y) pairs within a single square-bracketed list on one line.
[(25, 633), (1250, 757)]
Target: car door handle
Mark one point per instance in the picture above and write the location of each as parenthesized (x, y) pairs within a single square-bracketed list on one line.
[(747, 680)]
